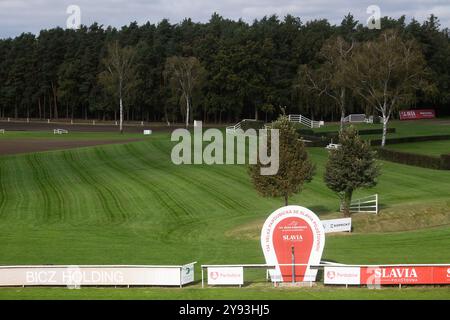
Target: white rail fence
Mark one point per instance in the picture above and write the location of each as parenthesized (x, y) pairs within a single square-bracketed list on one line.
[(358, 118), (305, 121), (367, 204), (232, 129)]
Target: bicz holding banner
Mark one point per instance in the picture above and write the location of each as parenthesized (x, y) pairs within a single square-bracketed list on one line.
[(293, 239)]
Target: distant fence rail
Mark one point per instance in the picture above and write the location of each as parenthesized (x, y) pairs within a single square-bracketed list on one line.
[(367, 204), (305, 121)]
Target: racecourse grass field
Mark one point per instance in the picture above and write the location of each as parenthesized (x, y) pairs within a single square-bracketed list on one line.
[(431, 148), (128, 204)]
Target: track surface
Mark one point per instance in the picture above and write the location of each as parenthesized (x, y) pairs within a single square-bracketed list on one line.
[(17, 146), (39, 126)]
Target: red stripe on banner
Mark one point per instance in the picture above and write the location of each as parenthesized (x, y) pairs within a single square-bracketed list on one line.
[(417, 114), (405, 275)]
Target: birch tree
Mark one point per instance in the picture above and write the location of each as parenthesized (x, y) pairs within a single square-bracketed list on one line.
[(119, 74), (387, 73), (184, 74), (329, 79)]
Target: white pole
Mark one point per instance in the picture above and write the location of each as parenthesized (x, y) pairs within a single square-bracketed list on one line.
[(203, 282)]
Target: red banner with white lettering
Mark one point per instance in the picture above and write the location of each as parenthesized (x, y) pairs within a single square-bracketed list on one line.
[(417, 114), (405, 275)]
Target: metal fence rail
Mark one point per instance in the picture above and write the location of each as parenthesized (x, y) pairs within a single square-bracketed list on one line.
[(367, 204), (305, 121)]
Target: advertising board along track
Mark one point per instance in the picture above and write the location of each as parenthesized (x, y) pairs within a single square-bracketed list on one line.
[(97, 275)]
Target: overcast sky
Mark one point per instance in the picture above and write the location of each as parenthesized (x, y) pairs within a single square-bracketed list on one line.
[(17, 16)]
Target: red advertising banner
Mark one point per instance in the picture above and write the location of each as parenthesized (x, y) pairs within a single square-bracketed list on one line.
[(405, 275), (417, 114)]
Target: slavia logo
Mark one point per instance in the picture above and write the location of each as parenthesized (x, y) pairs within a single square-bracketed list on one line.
[(214, 275), (331, 274), (396, 273)]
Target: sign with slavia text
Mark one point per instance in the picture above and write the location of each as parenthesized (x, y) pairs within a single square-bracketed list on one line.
[(417, 114), (337, 225), (292, 235), (388, 275), (225, 275), (405, 275)]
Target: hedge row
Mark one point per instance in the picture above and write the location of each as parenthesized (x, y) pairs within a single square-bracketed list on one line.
[(377, 142), (335, 134), (413, 159)]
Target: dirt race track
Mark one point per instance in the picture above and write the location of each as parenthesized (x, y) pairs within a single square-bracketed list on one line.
[(42, 126), (17, 146), (23, 145)]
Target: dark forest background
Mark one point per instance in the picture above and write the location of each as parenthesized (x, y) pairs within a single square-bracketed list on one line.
[(250, 68)]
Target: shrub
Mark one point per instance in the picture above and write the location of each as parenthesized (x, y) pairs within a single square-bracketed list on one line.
[(252, 124)]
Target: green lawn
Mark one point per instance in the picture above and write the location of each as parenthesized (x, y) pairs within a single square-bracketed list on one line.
[(128, 204), (431, 148), (403, 128)]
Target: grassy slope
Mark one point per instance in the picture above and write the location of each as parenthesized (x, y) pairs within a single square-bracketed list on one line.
[(127, 204), (432, 148)]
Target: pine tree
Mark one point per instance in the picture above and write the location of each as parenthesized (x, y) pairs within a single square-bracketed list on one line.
[(295, 168), (351, 166)]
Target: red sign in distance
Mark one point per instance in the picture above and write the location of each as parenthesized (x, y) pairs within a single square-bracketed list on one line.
[(417, 114), (293, 228)]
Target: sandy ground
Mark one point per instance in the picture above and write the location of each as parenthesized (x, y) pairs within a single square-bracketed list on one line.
[(16, 146), (39, 126)]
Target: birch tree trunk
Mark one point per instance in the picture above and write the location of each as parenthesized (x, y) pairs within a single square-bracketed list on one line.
[(385, 122), (187, 111), (120, 108)]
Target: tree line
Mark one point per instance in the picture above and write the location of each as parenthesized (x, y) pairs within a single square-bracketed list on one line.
[(236, 70)]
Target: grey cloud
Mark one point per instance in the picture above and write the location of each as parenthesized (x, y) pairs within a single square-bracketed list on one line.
[(17, 16)]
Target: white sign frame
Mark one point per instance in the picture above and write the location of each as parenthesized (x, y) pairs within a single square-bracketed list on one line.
[(225, 275), (267, 239), (337, 225), (106, 275), (342, 275)]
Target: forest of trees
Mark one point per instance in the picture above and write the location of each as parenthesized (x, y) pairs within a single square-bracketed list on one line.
[(247, 70)]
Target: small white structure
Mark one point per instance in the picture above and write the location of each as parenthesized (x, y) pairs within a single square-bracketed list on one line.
[(305, 121), (196, 123), (147, 132), (358, 118), (60, 131), (2, 131), (333, 146), (232, 129)]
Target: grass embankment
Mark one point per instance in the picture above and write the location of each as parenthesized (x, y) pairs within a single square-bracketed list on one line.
[(128, 204)]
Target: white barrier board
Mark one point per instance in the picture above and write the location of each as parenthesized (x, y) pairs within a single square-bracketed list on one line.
[(337, 225), (96, 275), (147, 132), (341, 275), (226, 275)]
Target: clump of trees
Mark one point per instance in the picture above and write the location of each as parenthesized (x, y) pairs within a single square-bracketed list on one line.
[(184, 75), (388, 73), (295, 167), (249, 68), (350, 167)]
